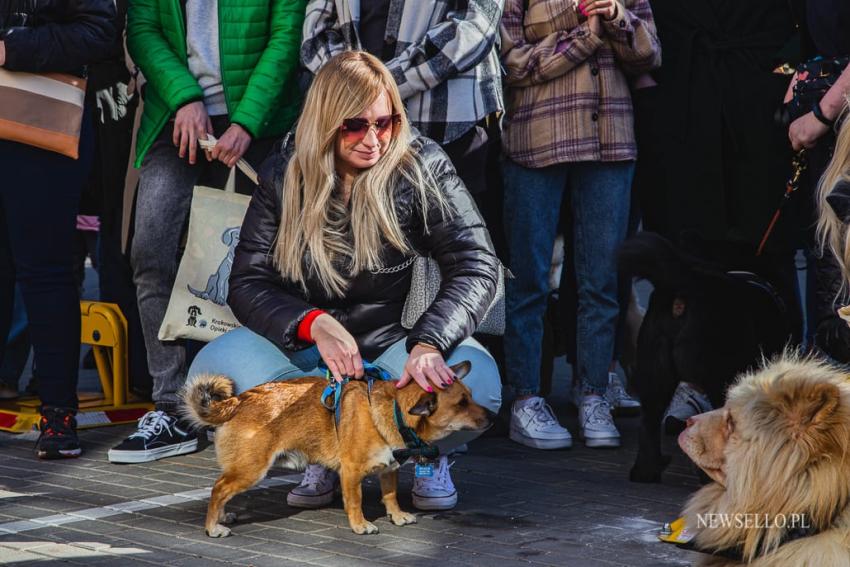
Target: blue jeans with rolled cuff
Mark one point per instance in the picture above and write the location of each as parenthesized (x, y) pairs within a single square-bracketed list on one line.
[(250, 360)]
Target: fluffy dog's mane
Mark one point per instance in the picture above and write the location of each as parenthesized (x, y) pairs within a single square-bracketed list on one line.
[(787, 453)]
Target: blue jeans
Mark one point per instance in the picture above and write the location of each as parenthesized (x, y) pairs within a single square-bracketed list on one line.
[(599, 194), (250, 359)]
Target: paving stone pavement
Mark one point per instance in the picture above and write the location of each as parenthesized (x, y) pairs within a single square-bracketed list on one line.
[(517, 507)]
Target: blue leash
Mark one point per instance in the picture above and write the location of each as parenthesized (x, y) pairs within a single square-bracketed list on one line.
[(332, 394)]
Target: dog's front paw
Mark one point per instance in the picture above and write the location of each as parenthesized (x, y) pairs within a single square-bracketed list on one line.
[(364, 528), (218, 531), (229, 518), (645, 474), (649, 471), (403, 518)]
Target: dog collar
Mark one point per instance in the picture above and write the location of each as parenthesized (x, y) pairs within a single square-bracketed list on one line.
[(414, 446)]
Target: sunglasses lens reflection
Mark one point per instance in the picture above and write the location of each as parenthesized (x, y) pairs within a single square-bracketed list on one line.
[(359, 127)]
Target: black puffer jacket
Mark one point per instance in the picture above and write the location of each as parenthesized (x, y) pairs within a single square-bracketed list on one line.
[(56, 35), (371, 310), (832, 335)]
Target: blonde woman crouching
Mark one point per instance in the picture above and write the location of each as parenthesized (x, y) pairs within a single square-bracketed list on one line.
[(324, 261)]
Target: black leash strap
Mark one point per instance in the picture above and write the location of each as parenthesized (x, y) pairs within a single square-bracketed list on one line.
[(799, 164)]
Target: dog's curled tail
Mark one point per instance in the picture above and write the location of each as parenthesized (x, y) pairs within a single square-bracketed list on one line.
[(208, 400), (651, 256)]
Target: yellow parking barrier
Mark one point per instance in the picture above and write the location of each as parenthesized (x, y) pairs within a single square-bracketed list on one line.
[(105, 329)]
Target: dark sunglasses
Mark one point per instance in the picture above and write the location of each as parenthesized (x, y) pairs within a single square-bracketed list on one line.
[(359, 127)]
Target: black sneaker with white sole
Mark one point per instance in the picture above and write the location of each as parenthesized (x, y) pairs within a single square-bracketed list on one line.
[(159, 435)]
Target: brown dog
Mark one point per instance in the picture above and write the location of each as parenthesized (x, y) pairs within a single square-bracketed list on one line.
[(779, 454), (287, 418)]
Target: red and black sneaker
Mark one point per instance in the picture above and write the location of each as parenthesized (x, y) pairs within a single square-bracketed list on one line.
[(58, 439)]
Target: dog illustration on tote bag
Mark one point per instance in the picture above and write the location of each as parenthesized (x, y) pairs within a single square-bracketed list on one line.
[(217, 283)]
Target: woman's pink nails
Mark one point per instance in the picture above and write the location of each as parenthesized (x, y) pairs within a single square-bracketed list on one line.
[(430, 390)]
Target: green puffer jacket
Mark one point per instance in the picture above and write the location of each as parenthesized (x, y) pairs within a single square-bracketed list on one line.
[(259, 42)]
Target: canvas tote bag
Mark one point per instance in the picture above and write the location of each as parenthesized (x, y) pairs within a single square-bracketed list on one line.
[(44, 110), (198, 307)]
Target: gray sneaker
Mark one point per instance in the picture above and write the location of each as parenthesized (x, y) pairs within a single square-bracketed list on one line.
[(436, 492), (317, 488), (617, 396), (687, 402), (597, 425)]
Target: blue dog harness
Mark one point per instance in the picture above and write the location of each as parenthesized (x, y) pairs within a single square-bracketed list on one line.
[(415, 447), (332, 394)]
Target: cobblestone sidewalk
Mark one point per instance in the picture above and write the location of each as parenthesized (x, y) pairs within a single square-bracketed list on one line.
[(517, 507)]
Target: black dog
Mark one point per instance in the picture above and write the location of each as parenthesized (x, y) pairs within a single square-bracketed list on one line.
[(704, 325)]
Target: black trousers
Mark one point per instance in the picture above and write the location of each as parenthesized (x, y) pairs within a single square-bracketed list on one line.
[(475, 156), (39, 198)]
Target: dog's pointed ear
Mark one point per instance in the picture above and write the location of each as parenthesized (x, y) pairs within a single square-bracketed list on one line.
[(813, 409), (425, 405), (461, 369)]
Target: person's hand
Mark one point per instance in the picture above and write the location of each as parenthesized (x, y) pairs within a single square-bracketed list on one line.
[(190, 125), (2, 53), (426, 366), (337, 347), (805, 131), (232, 145), (606, 9)]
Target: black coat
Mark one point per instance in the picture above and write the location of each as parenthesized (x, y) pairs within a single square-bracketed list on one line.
[(722, 158), (371, 309), (56, 35), (832, 335)]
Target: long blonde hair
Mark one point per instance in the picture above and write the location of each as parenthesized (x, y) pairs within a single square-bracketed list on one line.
[(831, 232), (312, 239)]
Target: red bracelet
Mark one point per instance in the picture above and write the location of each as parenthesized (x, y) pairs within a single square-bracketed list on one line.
[(304, 327)]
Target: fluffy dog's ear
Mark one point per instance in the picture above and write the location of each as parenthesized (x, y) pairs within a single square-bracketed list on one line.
[(425, 405), (461, 369), (813, 408)]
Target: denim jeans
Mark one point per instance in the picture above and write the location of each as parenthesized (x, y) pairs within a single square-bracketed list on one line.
[(250, 359), (599, 194), (166, 183)]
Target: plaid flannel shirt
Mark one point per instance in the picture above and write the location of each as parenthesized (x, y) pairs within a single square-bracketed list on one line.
[(568, 97), (444, 56)]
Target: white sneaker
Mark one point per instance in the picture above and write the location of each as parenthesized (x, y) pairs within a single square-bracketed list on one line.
[(687, 402), (533, 424), (617, 396), (316, 489), (435, 492), (597, 425)]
